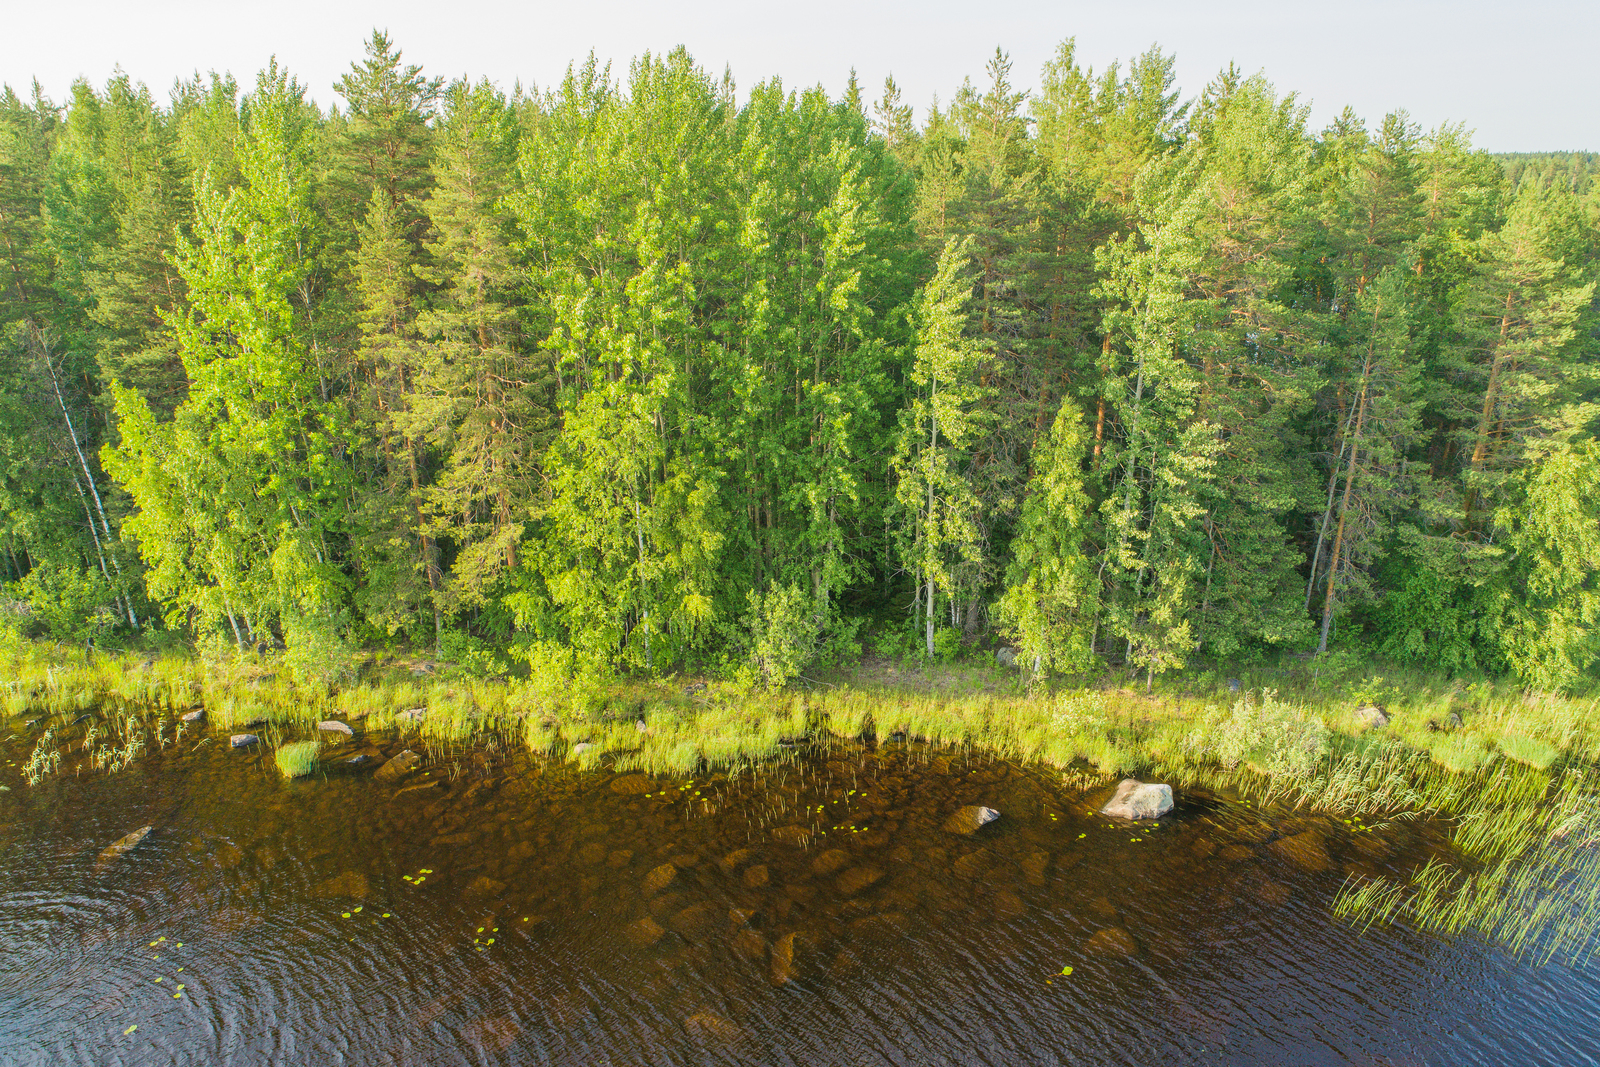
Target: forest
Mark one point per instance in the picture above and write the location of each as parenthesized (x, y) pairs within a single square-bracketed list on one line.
[(646, 372)]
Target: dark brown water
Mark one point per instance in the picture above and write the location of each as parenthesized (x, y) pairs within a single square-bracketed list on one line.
[(495, 908)]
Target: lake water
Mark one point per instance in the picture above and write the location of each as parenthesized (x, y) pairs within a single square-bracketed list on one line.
[(496, 908)]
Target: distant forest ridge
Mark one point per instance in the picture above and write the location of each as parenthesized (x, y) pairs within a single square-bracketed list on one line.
[(1571, 170), (639, 373)]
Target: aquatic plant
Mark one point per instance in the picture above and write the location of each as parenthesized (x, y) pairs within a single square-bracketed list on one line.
[(46, 759), (296, 759), (1537, 891)]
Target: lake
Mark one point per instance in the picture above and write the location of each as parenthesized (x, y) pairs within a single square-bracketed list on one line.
[(495, 907)]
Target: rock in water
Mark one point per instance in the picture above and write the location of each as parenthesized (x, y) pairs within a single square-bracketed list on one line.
[(404, 763), (1306, 849), (782, 960), (856, 879), (643, 933), (830, 862), (334, 726), (632, 784), (694, 922), (1113, 941), (1139, 800), (709, 1026), (243, 740), (1372, 717), (412, 715), (121, 846), (659, 878), (196, 715), (970, 819)]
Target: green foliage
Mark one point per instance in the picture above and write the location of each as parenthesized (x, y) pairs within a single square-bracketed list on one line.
[(619, 366), (782, 628), (1274, 738)]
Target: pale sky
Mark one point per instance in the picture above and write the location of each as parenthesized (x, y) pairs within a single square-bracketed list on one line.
[(1521, 74)]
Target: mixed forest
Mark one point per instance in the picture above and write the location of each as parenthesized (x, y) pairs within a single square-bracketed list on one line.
[(651, 372)]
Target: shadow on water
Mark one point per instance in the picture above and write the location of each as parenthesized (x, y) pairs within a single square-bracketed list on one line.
[(492, 907)]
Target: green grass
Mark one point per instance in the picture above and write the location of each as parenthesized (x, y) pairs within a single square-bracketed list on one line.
[(297, 759), (1537, 754), (1461, 753)]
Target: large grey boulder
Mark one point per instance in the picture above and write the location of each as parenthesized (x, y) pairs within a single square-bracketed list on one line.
[(243, 740), (1139, 800)]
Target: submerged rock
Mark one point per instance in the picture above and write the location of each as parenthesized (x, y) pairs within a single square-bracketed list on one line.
[(748, 945), (404, 763), (1306, 850), (1139, 800), (1372, 717), (484, 886), (351, 884), (736, 859), (781, 961), (1008, 905), (1113, 941), (856, 879), (632, 784), (358, 760), (644, 933), (694, 922), (971, 865), (197, 715), (122, 846), (756, 877), (243, 740), (334, 726), (492, 1035), (970, 819), (791, 835), (709, 1026), (659, 878), (830, 862)]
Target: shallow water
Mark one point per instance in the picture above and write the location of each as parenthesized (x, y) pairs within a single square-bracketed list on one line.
[(495, 908)]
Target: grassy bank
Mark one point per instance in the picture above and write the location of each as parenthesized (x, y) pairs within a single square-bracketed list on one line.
[(1512, 769)]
